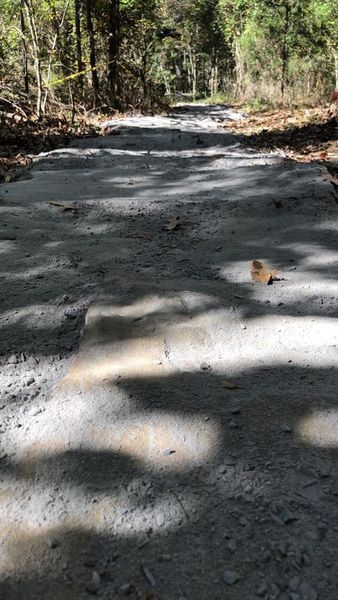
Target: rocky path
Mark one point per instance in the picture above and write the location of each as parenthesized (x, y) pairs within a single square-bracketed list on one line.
[(169, 428)]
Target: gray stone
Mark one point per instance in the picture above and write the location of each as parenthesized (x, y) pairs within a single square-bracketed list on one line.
[(168, 451), (230, 577), (94, 585), (205, 367), (149, 576), (294, 583), (13, 360), (262, 590), (53, 543), (286, 516), (232, 545), (307, 591), (126, 589)]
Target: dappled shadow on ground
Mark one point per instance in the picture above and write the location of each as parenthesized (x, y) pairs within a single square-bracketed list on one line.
[(262, 504), (261, 500)]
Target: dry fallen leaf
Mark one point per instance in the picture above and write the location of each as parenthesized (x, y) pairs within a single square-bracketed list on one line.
[(2, 200), (261, 273), (173, 223), (64, 207), (229, 385)]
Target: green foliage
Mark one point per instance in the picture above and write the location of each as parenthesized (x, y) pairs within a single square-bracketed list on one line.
[(259, 50)]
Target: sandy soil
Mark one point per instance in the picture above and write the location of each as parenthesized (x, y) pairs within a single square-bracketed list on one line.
[(129, 467)]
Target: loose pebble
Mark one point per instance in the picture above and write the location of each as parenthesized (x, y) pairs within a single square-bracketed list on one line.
[(230, 577)]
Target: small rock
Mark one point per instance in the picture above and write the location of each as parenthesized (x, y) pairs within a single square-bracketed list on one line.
[(94, 585), (294, 596), (12, 360), (126, 589), (234, 410), (286, 516), (70, 315), (232, 545), (294, 583), (307, 591), (89, 562), (230, 577), (165, 557), (36, 410), (205, 367), (262, 590), (230, 461), (30, 381), (168, 451), (149, 576), (243, 326), (53, 543), (285, 427), (243, 521)]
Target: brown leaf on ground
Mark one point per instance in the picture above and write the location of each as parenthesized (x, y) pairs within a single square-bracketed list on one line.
[(262, 274), (173, 223), (229, 385), (2, 200), (304, 134), (64, 207)]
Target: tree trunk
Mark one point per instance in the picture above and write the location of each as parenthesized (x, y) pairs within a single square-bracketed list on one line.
[(24, 49), (193, 72), (36, 49), (285, 53), (92, 55), (79, 45), (335, 55), (239, 68), (113, 52)]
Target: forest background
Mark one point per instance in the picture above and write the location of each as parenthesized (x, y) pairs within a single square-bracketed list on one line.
[(121, 55)]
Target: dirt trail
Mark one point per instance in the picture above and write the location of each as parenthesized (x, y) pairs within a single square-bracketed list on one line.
[(186, 448)]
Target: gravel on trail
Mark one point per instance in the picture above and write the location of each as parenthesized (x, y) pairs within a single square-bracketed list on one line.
[(169, 427)]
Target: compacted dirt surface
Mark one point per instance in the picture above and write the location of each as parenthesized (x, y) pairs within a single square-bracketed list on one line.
[(169, 427)]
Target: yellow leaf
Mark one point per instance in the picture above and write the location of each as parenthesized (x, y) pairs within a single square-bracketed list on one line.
[(229, 385), (261, 274)]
